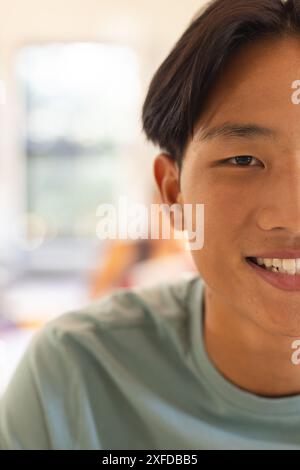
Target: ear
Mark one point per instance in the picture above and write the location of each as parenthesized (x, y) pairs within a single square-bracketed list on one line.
[(167, 177)]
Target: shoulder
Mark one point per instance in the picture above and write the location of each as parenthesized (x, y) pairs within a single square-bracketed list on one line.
[(128, 308), (112, 329), (83, 354), (120, 319)]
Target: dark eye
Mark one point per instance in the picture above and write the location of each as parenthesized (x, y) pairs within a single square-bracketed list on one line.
[(243, 160)]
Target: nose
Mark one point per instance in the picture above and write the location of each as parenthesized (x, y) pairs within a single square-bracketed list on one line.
[(280, 209)]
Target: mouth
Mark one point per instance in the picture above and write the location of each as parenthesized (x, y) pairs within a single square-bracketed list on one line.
[(281, 273), (252, 260), (291, 266)]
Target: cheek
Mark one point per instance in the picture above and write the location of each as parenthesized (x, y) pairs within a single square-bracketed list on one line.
[(226, 215), (226, 220)]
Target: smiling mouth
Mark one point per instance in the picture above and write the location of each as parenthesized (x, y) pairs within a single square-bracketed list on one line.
[(271, 268), (252, 260)]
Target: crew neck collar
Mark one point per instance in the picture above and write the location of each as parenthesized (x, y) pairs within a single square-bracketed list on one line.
[(238, 397)]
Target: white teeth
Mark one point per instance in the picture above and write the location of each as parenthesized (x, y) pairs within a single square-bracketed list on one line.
[(289, 265), (268, 263), (285, 266)]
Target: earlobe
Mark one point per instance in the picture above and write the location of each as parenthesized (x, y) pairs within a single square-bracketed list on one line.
[(177, 218), (180, 198)]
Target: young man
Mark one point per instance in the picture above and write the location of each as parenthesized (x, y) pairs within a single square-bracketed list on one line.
[(203, 363)]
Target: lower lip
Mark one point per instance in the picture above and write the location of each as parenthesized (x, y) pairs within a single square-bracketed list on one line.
[(279, 280)]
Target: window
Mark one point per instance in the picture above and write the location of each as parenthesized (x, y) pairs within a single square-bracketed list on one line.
[(80, 103)]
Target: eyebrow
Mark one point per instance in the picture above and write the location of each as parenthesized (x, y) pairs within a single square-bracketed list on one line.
[(236, 130)]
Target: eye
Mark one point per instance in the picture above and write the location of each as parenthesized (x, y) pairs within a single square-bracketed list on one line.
[(243, 160)]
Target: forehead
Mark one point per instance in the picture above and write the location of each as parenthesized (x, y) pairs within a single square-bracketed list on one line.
[(256, 86)]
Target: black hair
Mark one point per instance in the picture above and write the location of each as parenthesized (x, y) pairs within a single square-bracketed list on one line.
[(180, 87)]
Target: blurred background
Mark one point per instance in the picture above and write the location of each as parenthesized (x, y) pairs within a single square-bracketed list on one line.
[(73, 76)]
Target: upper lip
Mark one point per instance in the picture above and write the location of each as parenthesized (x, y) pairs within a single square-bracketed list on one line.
[(281, 254)]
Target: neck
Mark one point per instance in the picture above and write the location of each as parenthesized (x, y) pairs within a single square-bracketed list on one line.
[(245, 354)]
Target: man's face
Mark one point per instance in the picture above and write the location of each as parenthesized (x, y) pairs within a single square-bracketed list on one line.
[(250, 208)]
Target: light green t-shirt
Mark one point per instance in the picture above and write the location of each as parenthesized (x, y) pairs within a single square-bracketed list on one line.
[(130, 371)]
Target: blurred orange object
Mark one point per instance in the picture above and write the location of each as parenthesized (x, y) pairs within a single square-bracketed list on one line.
[(130, 262)]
